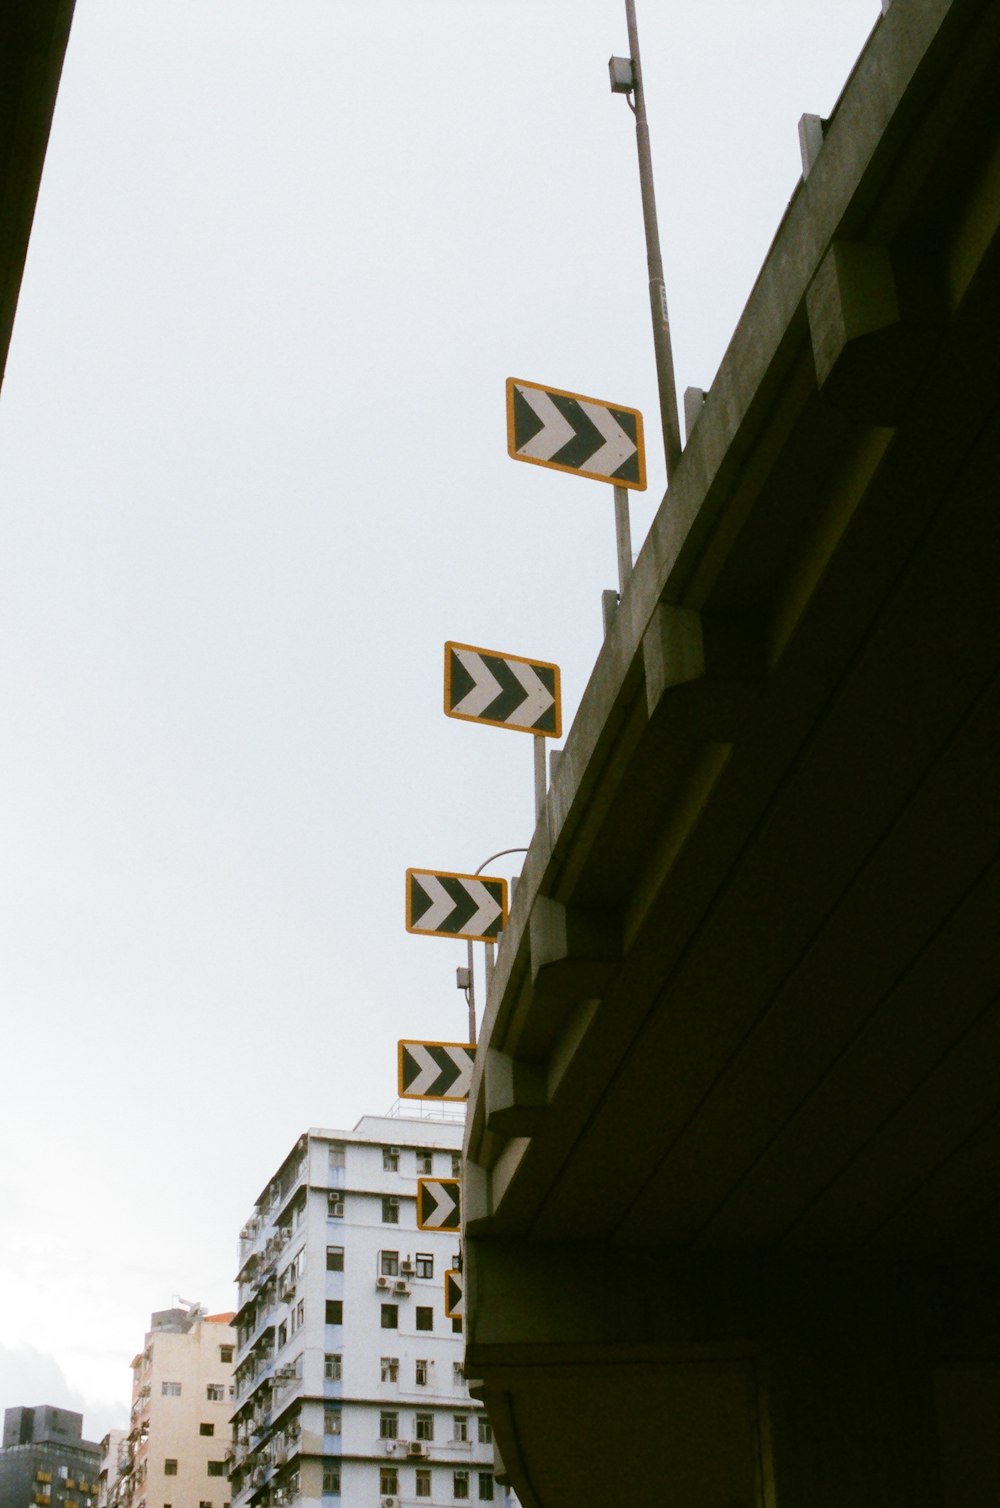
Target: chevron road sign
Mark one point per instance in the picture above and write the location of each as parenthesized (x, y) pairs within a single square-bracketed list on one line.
[(439, 1204), (506, 691), (550, 427), (435, 1070), (454, 1294), (455, 905)]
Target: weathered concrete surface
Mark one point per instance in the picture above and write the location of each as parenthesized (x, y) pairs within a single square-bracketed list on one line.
[(733, 1144)]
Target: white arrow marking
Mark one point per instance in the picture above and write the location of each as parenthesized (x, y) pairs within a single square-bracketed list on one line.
[(617, 446), (441, 905), (463, 1063), (445, 1205), (539, 697), (429, 1070), (485, 690), (556, 432), (489, 908)]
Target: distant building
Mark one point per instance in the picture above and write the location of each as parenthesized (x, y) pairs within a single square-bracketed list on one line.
[(45, 1461), (176, 1452), (114, 1464), (350, 1385)]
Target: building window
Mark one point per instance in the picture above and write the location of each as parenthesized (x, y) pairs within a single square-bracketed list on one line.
[(331, 1478), (422, 1367), (334, 1259), (282, 1334), (456, 1326), (486, 1486), (215, 1392), (204, 1504), (456, 1165), (425, 1265), (332, 1368), (485, 1430), (461, 1485), (423, 1482), (335, 1311), (425, 1162), (457, 1372), (170, 1389), (390, 1316), (297, 1318), (337, 1154), (461, 1426), (425, 1427), (206, 1429), (170, 1467), (388, 1425), (390, 1211), (388, 1264), (390, 1159), (216, 1468), (334, 1205), (331, 1421), (425, 1317), (226, 1354), (390, 1369), (388, 1481)]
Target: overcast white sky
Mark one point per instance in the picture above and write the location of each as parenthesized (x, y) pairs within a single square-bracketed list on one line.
[(254, 474)]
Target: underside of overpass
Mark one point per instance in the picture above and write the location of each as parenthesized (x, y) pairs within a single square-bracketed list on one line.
[(731, 1199), (33, 39)]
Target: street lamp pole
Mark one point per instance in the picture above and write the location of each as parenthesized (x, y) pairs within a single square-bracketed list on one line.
[(628, 81)]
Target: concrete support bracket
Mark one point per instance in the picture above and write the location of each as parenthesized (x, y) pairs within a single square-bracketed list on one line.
[(573, 953), (868, 321), (515, 1095), (702, 676)]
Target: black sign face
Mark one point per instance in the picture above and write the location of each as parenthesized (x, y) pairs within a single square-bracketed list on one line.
[(505, 691), (439, 1204), (551, 427), (435, 1070), (455, 905), (454, 1294)]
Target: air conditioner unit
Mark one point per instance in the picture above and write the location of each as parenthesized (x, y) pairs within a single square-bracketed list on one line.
[(383, 1282), (393, 1201), (390, 1503), (406, 1268), (393, 1151), (418, 1448), (401, 1287)]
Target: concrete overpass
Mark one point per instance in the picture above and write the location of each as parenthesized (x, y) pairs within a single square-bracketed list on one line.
[(33, 38), (732, 1197)]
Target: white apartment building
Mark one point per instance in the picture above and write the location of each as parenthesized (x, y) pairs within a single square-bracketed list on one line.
[(350, 1391), (176, 1453)]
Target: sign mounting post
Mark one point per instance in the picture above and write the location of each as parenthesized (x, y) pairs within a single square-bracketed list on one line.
[(549, 426)]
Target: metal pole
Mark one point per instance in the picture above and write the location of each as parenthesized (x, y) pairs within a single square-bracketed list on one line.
[(623, 535), (657, 287), (470, 994), (540, 783)]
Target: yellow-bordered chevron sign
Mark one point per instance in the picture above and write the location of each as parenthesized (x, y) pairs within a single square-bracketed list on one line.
[(506, 691), (435, 1070), (439, 1204), (551, 427), (454, 1294), (472, 906)]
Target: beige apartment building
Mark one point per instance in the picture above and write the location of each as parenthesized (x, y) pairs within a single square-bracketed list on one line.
[(176, 1451)]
